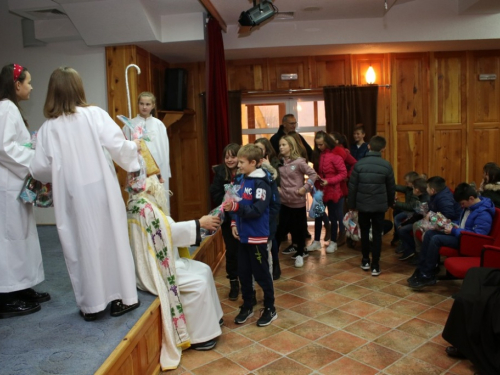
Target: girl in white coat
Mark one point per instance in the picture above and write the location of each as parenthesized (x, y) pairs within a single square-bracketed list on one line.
[(21, 259), (90, 213)]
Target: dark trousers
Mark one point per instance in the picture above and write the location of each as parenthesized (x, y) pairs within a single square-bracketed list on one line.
[(293, 220), (232, 245), (429, 255), (376, 221), (407, 238), (253, 260), (335, 215)]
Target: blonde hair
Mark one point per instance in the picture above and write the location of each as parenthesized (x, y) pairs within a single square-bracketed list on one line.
[(147, 94), (64, 94), (294, 149)]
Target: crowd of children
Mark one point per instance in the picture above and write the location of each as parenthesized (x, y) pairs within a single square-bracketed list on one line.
[(272, 190)]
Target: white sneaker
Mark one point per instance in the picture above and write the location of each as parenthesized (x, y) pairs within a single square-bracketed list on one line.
[(331, 247), (299, 261), (315, 245)]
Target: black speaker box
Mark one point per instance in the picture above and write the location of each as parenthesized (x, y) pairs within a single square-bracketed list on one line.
[(175, 98)]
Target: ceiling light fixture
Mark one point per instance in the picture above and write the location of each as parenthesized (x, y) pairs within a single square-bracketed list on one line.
[(370, 76)]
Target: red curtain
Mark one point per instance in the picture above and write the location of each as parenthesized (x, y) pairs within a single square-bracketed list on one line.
[(216, 99)]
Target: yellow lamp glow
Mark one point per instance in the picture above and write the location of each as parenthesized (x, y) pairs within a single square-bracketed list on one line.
[(370, 76)]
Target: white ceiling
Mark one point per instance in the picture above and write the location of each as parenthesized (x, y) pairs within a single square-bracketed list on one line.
[(174, 29)]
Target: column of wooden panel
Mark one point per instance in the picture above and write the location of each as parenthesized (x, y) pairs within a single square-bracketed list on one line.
[(448, 116), (409, 113), (381, 64), (484, 112), (247, 75), (330, 71), (188, 145), (289, 65)]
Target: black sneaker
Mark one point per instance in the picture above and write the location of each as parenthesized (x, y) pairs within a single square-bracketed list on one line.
[(207, 345), (365, 264), (243, 315), (414, 276), (422, 282), (267, 315), (406, 255), (290, 250), (375, 270)]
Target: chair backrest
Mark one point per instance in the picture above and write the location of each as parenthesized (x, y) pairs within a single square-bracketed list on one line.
[(495, 228), (490, 257)]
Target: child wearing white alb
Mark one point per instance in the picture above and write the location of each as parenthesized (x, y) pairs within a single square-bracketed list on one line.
[(156, 132)]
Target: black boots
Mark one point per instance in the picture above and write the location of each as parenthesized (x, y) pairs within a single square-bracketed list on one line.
[(235, 290), (276, 271)]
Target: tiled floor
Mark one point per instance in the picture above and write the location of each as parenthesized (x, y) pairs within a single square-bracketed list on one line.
[(335, 318)]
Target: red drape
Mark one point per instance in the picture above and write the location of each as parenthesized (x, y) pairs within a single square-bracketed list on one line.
[(216, 99)]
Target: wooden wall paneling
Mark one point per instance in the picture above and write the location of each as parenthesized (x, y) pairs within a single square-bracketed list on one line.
[(483, 122), (330, 71), (247, 75), (189, 163), (409, 112), (381, 65), (117, 59), (448, 116), (158, 67), (279, 66), (143, 79)]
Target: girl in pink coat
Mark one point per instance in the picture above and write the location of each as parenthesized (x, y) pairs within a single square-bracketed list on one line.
[(331, 172)]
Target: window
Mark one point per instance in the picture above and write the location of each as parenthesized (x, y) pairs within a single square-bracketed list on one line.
[(262, 117)]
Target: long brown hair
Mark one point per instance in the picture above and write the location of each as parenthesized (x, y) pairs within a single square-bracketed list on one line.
[(231, 149), (64, 94), (329, 144)]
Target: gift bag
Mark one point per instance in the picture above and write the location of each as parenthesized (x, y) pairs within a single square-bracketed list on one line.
[(351, 225), (231, 195), (36, 193), (317, 208)]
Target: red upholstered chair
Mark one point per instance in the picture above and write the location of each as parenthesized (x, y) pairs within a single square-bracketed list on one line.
[(458, 266), (471, 244)]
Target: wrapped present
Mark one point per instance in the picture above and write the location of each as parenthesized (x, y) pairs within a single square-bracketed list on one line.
[(435, 221), (231, 195), (36, 193), (317, 208), (151, 166), (136, 181)]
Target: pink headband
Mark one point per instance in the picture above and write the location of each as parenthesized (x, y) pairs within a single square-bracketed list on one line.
[(18, 69)]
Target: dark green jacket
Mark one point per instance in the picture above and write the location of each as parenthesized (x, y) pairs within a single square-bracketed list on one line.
[(371, 186)]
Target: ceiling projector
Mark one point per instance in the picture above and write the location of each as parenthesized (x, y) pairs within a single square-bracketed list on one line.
[(257, 14)]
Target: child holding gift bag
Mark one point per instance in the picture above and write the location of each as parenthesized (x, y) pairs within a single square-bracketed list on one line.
[(331, 170), (21, 266), (90, 215), (224, 175)]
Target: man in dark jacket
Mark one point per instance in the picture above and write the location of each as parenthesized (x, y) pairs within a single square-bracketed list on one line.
[(288, 124), (371, 192), (477, 217)]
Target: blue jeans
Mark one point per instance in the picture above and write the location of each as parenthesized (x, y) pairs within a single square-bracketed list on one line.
[(318, 223), (429, 255), (398, 219)]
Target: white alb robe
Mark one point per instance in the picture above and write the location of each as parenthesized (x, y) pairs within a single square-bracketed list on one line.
[(90, 216), (158, 146), (198, 293), (21, 259)]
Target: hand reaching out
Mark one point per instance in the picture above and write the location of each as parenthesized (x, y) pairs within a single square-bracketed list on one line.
[(209, 222)]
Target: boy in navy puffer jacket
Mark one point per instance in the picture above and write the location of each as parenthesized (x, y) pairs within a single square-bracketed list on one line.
[(477, 217), (250, 225)]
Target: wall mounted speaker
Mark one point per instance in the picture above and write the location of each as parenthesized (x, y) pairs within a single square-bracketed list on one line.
[(175, 98)]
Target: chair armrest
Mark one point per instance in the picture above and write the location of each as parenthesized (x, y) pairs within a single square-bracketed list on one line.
[(471, 244), (490, 257)]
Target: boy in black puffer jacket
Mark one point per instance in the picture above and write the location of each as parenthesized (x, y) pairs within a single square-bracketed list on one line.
[(371, 192)]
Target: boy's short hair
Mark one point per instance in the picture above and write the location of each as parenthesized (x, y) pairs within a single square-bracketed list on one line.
[(411, 176), (420, 184), (359, 127), (377, 143), (437, 183), (250, 152), (464, 191)]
